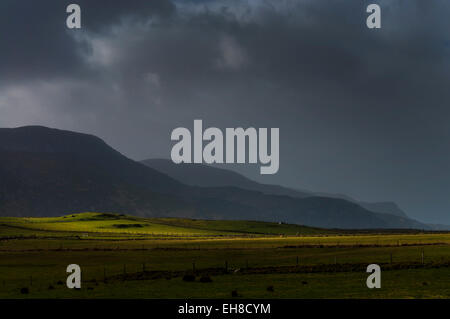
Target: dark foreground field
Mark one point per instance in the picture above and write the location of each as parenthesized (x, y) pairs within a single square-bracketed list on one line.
[(126, 257)]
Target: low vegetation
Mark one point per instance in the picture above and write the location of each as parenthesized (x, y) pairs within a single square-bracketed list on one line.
[(129, 257)]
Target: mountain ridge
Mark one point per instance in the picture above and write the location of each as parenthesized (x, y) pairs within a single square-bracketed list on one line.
[(51, 172), (211, 176)]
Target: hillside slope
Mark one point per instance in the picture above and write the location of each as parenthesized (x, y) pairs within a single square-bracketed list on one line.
[(48, 172)]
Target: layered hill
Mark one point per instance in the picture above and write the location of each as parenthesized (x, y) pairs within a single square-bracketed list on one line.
[(209, 176), (50, 172)]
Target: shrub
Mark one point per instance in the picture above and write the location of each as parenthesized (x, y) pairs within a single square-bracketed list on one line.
[(270, 288), (189, 278), (205, 279), (24, 291)]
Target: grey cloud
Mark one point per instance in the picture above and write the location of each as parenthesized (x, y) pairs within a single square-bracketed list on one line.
[(35, 40)]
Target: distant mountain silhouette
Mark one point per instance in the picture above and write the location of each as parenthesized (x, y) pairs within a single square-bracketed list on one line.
[(209, 176), (49, 172), (377, 207)]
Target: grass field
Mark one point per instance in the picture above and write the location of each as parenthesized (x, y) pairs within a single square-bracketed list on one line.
[(129, 257)]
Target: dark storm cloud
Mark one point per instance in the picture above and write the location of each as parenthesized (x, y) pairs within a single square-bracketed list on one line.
[(362, 112), (35, 39)]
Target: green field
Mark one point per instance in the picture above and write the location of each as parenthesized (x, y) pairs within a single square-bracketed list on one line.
[(130, 257)]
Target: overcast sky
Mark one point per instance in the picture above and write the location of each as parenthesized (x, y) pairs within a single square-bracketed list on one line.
[(361, 112)]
